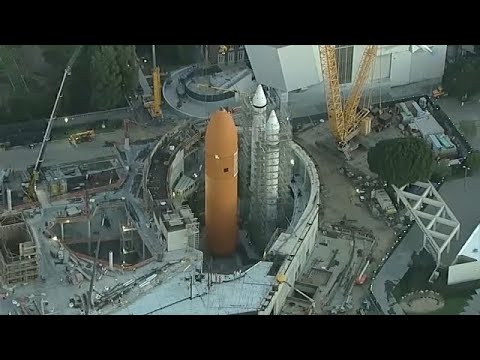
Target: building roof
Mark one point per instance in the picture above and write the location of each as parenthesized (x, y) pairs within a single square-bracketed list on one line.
[(471, 248), (244, 294)]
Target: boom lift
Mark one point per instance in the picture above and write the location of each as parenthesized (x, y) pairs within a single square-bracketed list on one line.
[(344, 118), (31, 190)]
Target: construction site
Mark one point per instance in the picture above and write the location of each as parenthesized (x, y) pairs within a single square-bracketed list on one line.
[(250, 210), (19, 261)]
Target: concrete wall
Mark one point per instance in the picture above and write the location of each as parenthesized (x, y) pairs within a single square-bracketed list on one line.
[(177, 240), (383, 67), (266, 65), (298, 66), (428, 66), (305, 234), (401, 64), (177, 167), (287, 68)]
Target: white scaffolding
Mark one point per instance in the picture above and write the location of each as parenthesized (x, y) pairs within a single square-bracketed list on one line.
[(264, 169), (437, 222)]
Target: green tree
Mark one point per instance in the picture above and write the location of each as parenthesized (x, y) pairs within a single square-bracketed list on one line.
[(462, 77), (113, 75), (468, 128), (126, 60), (57, 55), (401, 161), (187, 54), (473, 161)]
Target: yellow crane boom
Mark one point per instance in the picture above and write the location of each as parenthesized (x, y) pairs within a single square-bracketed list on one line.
[(353, 117), (333, 94), (344, 118), (156, 107), (156, 104)]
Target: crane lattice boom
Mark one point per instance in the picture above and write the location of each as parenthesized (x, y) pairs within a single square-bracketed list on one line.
[(344, 118), (332, 89), (352, 116), (36, 170)]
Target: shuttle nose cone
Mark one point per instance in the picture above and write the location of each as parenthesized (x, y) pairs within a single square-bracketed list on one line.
[(272, 122), (259, 99)]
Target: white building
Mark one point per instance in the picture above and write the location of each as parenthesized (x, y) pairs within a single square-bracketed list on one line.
[(288, 68), (178, 228)]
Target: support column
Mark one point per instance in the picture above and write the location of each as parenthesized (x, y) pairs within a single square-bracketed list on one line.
[(62, 233), (89, 226), (110, 260), (143, 250), (9, 199)]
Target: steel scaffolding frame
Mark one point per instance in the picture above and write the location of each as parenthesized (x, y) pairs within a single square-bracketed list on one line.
[(255, 174), (435, 241)]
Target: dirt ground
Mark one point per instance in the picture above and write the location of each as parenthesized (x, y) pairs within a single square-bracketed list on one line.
[(340, 200)]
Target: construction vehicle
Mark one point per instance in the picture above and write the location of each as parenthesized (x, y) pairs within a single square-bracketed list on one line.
[(345, 117), (154, 104), (222, 49), (32, 185), (438, 93), (81, 137)]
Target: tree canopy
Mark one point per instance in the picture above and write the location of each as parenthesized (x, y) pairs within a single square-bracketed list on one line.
[(113, 75), (401, 161), (171, 54), (462, 77), (101, 78)]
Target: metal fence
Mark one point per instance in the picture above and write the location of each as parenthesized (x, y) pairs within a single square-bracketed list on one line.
[(28, 132)]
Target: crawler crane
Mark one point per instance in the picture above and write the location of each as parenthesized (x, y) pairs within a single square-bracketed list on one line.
[(32, 185), (344, 118), (155, 108)]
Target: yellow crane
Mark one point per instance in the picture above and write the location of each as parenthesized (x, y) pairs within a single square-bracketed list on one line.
[(156, 104), (344, 118)]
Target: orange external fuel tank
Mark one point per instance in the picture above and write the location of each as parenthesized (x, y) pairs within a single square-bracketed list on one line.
[(221, 191)]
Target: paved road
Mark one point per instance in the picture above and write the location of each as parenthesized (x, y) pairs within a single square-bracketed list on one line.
[(469, 112), (60, 151)]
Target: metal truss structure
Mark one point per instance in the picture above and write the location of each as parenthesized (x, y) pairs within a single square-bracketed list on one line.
[(437, 222)]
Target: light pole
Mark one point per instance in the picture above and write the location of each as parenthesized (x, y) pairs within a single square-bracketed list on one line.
[(282, 279), (465, 177)]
